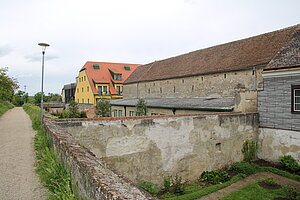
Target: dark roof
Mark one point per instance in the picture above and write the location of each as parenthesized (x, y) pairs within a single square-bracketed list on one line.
[(223, 104), (237, 55), (70, 86)]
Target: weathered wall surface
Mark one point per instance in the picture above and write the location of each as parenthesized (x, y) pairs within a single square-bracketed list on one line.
[(225, 84), (275, 143), (148, 149), (91, 177)]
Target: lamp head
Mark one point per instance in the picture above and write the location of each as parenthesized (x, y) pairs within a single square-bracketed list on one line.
[(43, 45)]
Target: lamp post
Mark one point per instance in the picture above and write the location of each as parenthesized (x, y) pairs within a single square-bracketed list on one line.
[(44, 46)]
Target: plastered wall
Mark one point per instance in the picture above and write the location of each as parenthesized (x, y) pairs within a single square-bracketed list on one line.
[(148, 149)]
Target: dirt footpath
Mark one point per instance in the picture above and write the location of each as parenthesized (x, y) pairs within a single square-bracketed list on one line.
[(17, 177)]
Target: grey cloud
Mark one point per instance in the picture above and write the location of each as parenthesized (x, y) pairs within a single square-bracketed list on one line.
[(5, 50), (36, 58)]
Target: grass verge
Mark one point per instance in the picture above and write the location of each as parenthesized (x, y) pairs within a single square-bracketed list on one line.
[(51, 171), (5, 106)]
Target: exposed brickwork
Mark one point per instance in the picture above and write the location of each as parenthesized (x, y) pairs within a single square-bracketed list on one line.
[(91, 177)]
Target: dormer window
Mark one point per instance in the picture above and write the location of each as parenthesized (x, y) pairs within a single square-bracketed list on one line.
[(118, 77), (127, 67), (96, 66)]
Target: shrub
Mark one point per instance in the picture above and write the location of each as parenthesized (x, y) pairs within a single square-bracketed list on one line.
[(249, 150), (245, 168), (149, 187), (178, 187), (141, 107), (65, 113), (103, 108), (167, 184), (288, 162), (5, 106), (215, 177)]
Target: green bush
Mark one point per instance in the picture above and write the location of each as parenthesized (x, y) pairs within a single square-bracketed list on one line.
[(149, 187), (281, 173), (245, 168), (178, 187), (103, 108), (249, 150), (167, 184), (214, 177), (289, 163)]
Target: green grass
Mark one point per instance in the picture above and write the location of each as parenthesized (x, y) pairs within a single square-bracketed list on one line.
[(253, 192), (5, 106), (208, 190), (51, 171)]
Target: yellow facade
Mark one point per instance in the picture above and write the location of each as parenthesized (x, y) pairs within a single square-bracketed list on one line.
[(84, 93)]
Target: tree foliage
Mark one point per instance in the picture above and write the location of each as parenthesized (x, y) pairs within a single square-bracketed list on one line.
[(20, 98), (7, 85), (54, 97), (103, 108), (141, 107)]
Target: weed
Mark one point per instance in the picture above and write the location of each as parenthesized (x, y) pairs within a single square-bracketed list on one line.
[(245, 168), (289, 163), (178, 186), (249, 150), (167, 183), (149, 187), (214, 177)]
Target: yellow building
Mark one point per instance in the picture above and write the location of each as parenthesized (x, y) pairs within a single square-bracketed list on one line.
[(98, 80)]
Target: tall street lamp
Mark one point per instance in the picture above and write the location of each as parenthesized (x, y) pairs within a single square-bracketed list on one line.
[(44, 46)]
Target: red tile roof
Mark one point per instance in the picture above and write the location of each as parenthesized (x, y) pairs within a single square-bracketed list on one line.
[(237, 55), (103, 75)]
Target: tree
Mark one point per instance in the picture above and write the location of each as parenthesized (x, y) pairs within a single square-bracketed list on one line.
[(7, 85), (20, 98), (141, 107), (73, 108), (103, 108), (54, 97), (38, 96)]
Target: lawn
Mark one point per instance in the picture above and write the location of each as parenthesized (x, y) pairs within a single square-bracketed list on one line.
[(254, 191)]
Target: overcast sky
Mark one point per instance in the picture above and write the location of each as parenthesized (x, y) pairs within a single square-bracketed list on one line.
[(126, 31)]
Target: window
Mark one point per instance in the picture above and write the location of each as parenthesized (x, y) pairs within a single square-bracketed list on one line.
[(100, 90), (82, 100), (118, 77), (119, 90), (127, 67), (77, 90), (87, 88), (84, 78), (88, 100), (115, 113), (225, 75), (119, 113), (296, 99), (131, 113), (82, 89), (96, 66), (105, 89)]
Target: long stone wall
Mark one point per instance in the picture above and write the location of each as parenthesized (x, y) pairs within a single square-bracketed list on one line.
[(91, 177), (156, 146)]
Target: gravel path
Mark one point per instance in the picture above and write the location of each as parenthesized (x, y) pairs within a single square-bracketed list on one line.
[(18, 180), (251, 179)]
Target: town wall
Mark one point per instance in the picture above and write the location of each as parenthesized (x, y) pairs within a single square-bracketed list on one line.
[(274, 143), (91, 177), (148, 148)]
